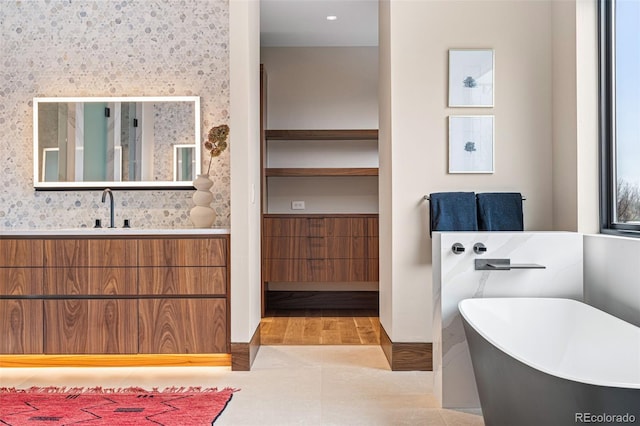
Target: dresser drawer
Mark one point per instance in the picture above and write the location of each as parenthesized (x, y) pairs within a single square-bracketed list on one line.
[(300, 270), (294, 248)]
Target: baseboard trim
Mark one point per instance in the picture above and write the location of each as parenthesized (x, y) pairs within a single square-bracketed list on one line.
[(282, 299), (243, 354), (404, 356)]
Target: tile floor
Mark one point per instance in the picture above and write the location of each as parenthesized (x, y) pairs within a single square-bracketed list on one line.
[(288, 385)]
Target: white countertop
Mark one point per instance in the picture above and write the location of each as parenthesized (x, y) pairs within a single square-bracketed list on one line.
[(87, 232)]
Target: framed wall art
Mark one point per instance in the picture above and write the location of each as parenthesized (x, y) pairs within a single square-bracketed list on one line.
[(471, 144), (471, 77)]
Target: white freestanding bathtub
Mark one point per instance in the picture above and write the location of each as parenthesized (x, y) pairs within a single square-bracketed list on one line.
[(541, 361)]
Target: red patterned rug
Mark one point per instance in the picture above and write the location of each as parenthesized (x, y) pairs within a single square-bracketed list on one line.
[(97, 406)]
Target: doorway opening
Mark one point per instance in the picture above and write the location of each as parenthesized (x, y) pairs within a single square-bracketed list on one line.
[(319, 172)]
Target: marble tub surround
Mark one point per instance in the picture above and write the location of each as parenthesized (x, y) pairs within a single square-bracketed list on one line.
[(612, 275), (455, 279)]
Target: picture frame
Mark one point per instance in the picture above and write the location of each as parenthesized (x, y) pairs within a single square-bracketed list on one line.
[(471, 78), (471, 144)]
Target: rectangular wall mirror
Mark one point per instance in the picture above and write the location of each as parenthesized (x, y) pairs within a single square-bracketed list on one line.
[(123, 142)]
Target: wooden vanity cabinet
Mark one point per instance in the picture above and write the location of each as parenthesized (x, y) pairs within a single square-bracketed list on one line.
[(21, 319), (115, 295), (87, 279)]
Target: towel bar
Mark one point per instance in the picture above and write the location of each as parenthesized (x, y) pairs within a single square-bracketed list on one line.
[(426, 197)]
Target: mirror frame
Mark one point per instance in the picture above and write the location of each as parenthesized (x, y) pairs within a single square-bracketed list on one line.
[(87, 185)]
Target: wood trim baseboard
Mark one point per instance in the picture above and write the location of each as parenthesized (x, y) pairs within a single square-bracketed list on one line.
[(243, 354), (406, 356), (129, 360)]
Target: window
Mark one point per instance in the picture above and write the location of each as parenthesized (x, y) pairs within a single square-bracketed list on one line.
[(620, 115)]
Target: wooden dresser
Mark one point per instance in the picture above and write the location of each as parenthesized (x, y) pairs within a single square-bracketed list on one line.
[(306, 250), (115, 295)]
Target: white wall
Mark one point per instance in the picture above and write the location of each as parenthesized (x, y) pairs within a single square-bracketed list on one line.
[(244, 38), (565, 173), (323, 194), (575, 116), (353, 194), (612, 275), (413, 145), (321, 87), (587, 116)]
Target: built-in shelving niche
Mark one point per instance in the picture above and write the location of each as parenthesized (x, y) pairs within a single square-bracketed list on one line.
[(308, 160)]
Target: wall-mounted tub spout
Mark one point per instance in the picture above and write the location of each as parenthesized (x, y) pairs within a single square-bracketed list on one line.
[(503, 265)]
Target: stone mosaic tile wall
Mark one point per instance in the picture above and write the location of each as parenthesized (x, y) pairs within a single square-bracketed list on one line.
[(166, 134), (107, 48)]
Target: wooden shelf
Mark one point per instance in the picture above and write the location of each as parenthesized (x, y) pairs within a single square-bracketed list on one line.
[(318, 215), (346, 134), (301, 172)]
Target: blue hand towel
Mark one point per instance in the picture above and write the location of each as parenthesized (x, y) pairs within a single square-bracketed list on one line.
[(500, 211), (453, 211)]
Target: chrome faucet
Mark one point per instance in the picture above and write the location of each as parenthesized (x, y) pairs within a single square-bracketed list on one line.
[(104, 196)]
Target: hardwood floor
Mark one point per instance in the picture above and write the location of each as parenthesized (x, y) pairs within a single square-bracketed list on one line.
[(320, 327)]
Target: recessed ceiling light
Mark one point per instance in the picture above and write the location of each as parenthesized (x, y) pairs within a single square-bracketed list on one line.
[(331, 17)]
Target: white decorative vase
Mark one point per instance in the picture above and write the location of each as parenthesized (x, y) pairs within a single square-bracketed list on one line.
[(202, 215)]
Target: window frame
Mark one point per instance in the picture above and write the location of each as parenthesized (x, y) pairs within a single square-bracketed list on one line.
[(607, 124)]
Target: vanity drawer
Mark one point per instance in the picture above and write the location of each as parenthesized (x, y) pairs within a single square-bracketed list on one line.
[(183, 281), (183, 325), (88, 281), (20, 281), (26, 252), (21, 326), (74, 326), (183, 252), (86, 253)]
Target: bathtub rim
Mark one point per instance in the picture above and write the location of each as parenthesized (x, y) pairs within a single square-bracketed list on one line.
[(535, 365)]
